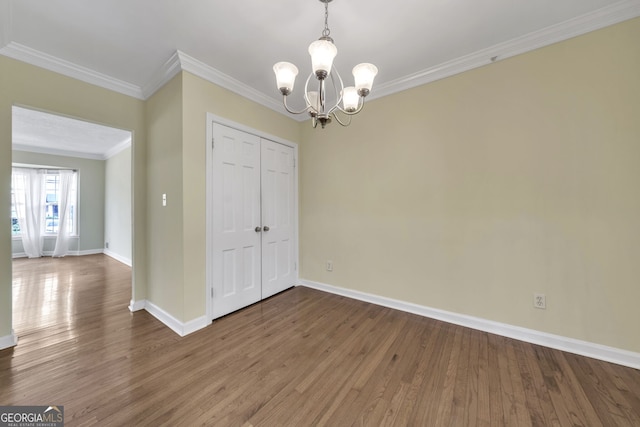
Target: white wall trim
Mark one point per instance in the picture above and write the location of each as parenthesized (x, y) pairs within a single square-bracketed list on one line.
[(571, 345), (85, 252), (194, 325), (137, 305), (174, 324), (10, 340), (214, 76), (117, 149), (124, 260), (609, 15), (168, 71), (17, 146), (70, 253), (44, 60), (180, 61)]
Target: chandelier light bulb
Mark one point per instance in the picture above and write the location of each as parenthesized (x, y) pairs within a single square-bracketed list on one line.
[(350, 99), (363, 75), (322, 54), (286, 74)]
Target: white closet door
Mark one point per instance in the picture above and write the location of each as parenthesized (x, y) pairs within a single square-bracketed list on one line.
[(278, 217), (236, 243)]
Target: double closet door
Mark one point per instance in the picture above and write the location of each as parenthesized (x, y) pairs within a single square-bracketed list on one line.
[(253, 226)]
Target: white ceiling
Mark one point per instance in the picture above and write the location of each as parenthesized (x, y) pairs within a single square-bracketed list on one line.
[(131, 46), (41, 132)]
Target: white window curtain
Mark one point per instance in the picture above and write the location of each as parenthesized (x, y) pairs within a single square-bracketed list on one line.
[(29, 190), (62, 240)]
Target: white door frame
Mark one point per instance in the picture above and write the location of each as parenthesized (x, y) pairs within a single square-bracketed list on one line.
[(211, 118)]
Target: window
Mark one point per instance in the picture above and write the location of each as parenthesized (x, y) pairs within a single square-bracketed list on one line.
[(51, 198), (15, 227)]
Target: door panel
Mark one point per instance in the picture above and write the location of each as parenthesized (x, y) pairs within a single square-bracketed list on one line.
[(236, 244), (278, 179)]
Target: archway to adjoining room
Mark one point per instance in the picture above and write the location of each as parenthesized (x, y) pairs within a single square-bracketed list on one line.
[(71, 211)]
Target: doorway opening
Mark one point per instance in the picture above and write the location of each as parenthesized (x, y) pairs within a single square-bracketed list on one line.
[(95, 218)]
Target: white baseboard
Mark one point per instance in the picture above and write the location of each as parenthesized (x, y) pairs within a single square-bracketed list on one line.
[(70, 253), (174, 324), (136, 305), (85, 252), (571, 345), (7, 341), (195, 325), (124, 260)]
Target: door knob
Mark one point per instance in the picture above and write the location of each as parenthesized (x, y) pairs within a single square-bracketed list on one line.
[(258, 229), (266, 228)]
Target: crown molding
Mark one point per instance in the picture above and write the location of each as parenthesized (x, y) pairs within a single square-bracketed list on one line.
[(44, 60), (179, 61), (168, 70), (616, 13), (116, 149), (214, 76), (17, 146)]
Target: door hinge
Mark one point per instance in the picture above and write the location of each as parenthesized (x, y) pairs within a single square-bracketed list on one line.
[(211, 292), (213, 143), (294, 162), (295, 266)]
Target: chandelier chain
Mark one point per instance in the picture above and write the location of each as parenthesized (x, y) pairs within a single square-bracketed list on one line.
[(326, 32)]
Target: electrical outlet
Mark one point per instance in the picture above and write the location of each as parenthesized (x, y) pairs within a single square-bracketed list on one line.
[(540, 301), (329, 265), (106, 245)]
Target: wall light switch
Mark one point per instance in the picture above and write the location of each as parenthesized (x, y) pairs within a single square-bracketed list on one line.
[(164, 199)]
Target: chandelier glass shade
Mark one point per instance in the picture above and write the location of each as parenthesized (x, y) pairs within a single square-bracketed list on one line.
[(331, 97)]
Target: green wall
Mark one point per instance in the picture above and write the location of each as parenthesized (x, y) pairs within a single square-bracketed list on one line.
[(117, 205), (91, 196)]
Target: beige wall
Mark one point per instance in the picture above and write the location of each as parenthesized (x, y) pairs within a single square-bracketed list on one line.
[(164, 176), (471, 193), (26, 85)]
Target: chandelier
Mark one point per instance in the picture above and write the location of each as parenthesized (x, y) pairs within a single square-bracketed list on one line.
[(324, 104)]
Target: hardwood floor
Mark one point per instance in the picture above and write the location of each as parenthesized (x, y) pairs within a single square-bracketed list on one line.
[(300, 358)]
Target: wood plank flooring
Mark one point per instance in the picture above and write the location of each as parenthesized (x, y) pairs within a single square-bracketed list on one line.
[(300, 358)]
